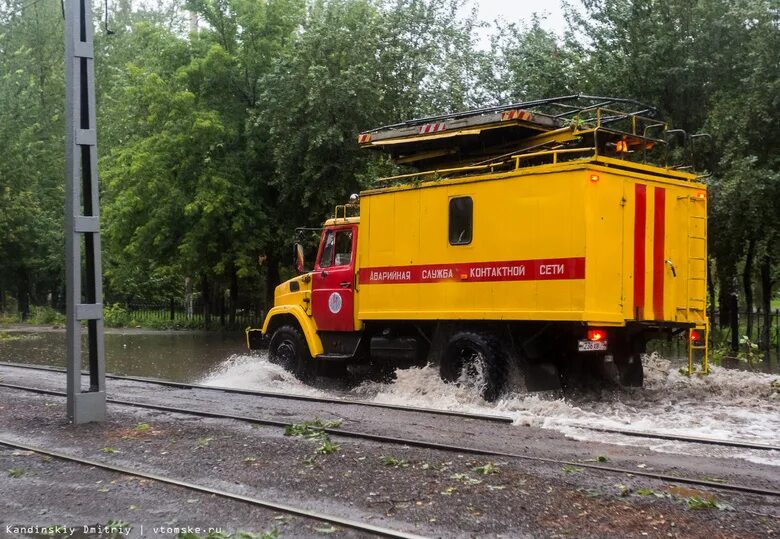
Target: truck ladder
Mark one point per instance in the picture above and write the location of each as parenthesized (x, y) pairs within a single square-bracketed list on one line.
[(696, 276)]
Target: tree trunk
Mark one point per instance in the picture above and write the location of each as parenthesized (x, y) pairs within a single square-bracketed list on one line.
[(734, 322), (747, 285), (711, 290), (188, 297), (233, 296), (23, 295), (766, 307), (221, 306), (205, 293)]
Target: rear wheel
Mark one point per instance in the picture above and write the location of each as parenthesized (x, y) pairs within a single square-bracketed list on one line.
[(288, 348), (475, 359)]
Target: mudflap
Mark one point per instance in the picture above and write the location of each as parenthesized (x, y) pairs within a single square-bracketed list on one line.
[(542, 376)]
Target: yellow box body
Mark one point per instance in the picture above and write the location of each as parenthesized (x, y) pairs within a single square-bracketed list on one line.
[(627, 255)]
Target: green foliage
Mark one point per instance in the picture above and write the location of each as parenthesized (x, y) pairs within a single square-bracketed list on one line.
[(312, 429), (16, 472), (487, 469), (389, 460), (215, 145), (327, 447), (46, 316)]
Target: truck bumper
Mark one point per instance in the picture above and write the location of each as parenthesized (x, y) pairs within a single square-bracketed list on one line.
[(255, 340)]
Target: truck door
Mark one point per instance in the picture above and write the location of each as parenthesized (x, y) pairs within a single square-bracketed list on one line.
[(332, 296)]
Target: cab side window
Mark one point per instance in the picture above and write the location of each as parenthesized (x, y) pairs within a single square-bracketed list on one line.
[(337, 250), (326, 259), (461, 220), (343, 247)]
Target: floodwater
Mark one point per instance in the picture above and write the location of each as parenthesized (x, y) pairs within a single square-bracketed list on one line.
[(180, 356), (729, 404)]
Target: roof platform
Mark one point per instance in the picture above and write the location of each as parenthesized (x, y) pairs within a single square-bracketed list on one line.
[(480, 136)]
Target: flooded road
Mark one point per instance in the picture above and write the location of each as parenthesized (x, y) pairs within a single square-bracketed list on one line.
[(728, 404), (178, 356)]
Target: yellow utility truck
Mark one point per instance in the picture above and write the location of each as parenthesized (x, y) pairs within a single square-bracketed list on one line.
[(551, 239)]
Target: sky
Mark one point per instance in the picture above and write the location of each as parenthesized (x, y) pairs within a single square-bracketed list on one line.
[(521, 10)]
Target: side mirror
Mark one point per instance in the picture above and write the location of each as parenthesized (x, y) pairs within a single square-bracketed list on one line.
[(299, 261)]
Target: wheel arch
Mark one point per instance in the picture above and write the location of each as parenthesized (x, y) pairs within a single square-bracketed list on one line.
[(294, 316)]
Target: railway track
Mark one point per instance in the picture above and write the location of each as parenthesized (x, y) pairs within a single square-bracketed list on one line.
[(433, 411), (278, 395), (338, 432), (268, 504)]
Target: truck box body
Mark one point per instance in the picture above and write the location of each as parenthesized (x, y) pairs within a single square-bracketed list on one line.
[(547, 235), (578, 241)]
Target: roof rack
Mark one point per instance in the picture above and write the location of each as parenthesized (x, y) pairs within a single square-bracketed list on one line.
[(482, 135)]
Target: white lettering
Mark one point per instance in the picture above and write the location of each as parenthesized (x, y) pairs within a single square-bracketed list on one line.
[(388, 275), (498, 271), (551, 269), (436, 274)]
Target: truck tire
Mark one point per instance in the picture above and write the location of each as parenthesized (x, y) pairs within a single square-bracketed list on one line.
[(470, 355), (288, 349)]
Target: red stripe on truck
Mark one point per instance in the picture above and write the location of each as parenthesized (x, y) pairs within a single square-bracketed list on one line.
[(640, 225), (659, 235), (477, 272)]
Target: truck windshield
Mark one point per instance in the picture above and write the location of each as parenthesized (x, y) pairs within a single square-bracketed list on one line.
[(337, 250)]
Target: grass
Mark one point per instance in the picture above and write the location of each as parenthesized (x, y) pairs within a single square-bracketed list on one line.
[(16, 472)]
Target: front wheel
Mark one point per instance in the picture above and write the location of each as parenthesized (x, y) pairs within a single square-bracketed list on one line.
[(475, 359), (288, 349)]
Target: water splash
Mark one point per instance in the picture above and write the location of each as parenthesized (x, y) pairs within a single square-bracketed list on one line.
[(255, 372), (728, 404)]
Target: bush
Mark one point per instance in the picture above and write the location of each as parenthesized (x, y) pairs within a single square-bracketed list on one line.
[(44, 316), (116, 316)]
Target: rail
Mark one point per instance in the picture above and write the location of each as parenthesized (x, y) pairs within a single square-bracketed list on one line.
[(394, 440)]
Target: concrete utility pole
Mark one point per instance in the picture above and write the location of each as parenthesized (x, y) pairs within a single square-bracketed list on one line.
[(82, 218)]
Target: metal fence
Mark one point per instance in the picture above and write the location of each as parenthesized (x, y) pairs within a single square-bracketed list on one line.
[(720, 337), (177, 313)]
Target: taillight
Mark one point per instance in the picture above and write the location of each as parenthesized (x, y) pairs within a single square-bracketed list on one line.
[(695, 336), (596, 334)]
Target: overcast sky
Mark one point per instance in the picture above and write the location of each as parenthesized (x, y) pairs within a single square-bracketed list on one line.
[(521, 11)]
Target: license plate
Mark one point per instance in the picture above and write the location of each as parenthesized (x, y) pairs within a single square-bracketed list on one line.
[(592, 346)]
